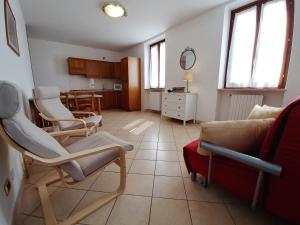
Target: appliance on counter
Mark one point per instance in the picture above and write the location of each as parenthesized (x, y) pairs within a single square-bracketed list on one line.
[(118, 87)]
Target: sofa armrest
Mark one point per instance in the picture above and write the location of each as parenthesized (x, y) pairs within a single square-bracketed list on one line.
[(257, 163)]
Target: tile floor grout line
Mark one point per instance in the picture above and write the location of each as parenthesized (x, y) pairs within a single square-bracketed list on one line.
[(112, 208), (149, 219), (230, 214), (188, 205)]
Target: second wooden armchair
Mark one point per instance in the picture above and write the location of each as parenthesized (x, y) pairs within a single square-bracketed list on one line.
[(48, 103)]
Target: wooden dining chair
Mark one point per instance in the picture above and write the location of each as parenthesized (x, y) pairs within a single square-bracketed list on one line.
[(84, 100)]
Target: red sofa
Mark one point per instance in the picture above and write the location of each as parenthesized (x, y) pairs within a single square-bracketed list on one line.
[(281, 146)]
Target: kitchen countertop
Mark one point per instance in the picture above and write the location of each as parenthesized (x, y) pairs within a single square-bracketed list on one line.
[(97, 90)]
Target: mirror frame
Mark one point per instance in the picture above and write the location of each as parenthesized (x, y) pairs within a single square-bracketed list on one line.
[(187, 49)]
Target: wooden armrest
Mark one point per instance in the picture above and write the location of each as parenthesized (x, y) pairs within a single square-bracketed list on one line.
[(243, 158), (68, 132), (83, 112), (67, 158), (67, 120)]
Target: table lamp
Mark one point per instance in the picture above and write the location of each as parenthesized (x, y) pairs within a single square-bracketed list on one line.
[(187, 77)]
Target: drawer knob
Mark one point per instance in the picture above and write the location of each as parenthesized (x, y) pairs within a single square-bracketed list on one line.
[(179, 107), (179, 99)]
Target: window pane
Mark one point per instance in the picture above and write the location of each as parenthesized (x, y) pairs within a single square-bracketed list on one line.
[(271, 44), (154, 66), (162, 74), (241, 50)]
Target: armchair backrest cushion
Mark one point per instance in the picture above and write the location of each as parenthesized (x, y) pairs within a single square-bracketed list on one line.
[(49, 103), (26, 134)]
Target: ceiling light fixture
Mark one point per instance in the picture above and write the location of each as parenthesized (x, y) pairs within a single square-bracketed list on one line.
[(113, 9)]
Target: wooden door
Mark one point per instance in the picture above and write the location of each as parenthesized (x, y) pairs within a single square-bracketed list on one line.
[(92, 69), (134, 84), (77, 66)]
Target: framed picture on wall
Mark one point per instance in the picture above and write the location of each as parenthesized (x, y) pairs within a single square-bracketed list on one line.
[(11, 28)]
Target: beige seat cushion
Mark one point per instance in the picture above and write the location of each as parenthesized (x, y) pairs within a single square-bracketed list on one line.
[(92, 163), (264, 112), (239, 135), (90, 121)]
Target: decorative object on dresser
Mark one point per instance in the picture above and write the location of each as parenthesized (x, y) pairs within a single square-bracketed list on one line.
[(187, 77), (177, 89), (180, 106)]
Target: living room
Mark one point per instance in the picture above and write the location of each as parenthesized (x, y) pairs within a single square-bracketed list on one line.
[(198, 94)]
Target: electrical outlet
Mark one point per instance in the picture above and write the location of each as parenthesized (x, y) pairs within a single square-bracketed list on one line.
[(7, 187)]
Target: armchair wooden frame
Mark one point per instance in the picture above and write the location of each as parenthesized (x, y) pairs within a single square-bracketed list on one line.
[(48, 212), (85, 130)]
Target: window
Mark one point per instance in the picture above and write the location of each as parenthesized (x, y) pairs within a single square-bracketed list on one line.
[(259, 46), (157, 64)]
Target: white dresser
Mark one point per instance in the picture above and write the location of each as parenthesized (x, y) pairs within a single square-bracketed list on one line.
[(180, 106)]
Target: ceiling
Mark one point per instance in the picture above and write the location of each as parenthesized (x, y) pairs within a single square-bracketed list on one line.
[(82, 22)]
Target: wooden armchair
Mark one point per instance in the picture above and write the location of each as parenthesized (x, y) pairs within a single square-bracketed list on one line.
[(48, 103), (77, 161)]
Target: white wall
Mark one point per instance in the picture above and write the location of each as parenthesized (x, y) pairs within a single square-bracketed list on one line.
[(16, 69), (207, 34), (49, 64), (204, 34), (293, 82)]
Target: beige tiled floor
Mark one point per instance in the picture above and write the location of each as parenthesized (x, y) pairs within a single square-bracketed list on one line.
[(159, 190)]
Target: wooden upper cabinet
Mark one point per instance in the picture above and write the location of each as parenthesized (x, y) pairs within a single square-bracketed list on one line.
[(107, 69), (92, 69), (124, 69), (77, 66), (117, 70)]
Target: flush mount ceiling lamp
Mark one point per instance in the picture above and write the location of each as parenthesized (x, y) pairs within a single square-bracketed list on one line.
[(114, 10)]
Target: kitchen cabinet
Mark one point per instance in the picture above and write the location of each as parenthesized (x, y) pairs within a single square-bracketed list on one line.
[(107, 69), (77, 66), (117, 70), (92, 69), (110, 99)]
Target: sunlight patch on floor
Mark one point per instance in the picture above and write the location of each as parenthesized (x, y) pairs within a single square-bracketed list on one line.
[(142, 127)]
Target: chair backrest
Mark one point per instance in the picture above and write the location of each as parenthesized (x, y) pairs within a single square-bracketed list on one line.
[(84, 100), (25, 134), (282, 147), (47, 100)]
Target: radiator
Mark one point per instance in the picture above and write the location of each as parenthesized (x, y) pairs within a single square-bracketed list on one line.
[(241, 105), (155, 100)]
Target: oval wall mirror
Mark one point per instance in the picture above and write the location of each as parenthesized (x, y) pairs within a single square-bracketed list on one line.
[(187, 59)]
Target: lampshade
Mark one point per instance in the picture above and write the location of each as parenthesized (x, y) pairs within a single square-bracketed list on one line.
[(187, 76)]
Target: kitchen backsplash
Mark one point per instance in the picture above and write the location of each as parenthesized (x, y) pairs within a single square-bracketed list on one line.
[(79, 82)]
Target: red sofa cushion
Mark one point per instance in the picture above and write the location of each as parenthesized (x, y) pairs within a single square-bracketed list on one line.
[(224, 171)]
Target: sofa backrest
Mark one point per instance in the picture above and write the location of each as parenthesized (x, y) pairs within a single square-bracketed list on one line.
[(282, 147)]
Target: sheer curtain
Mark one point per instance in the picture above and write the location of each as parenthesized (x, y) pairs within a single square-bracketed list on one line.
[(270, 46), (264, 68), (153, 66), (241, 50)]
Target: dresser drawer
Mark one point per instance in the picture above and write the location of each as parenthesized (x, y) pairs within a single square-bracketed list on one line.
[(173, 106), (173, 114), (173, 98)]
